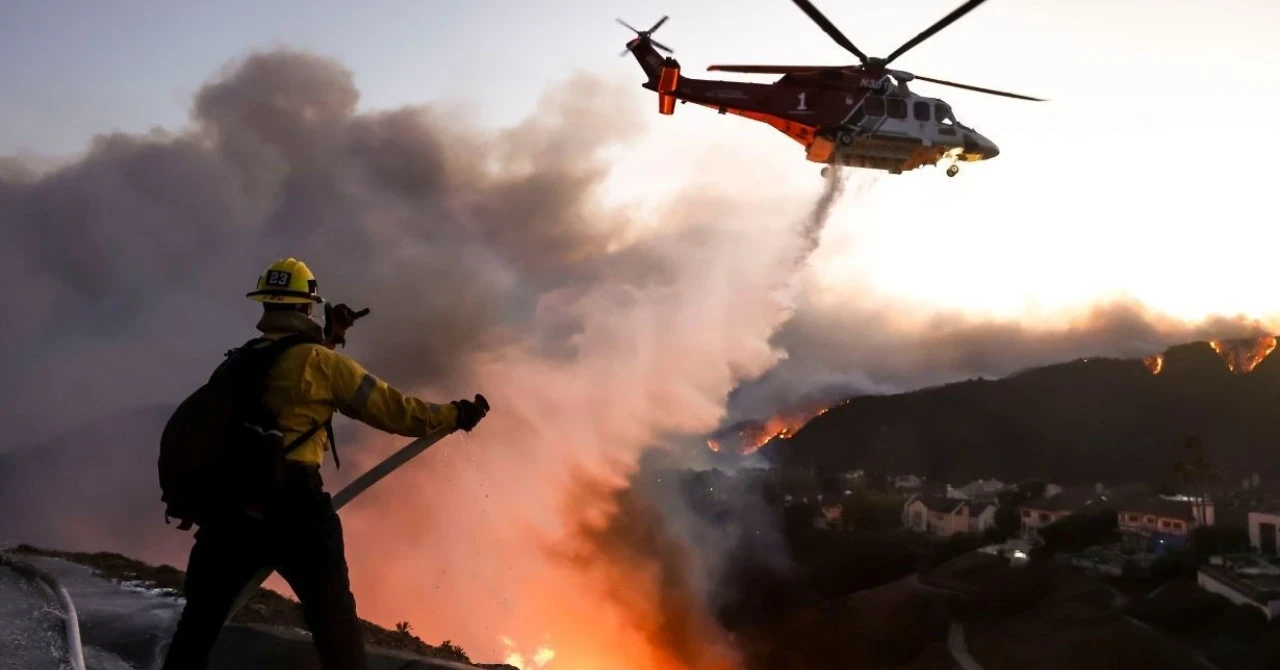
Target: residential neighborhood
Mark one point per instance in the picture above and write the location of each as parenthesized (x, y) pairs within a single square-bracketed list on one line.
[(1147, 526), (1158, 548)]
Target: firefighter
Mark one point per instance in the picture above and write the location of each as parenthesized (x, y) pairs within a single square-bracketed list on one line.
[(301, 536)]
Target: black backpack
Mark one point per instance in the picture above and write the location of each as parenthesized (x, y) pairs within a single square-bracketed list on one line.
[(222, 450)]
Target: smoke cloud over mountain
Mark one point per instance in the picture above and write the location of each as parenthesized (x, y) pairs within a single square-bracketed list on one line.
[(864, 348)]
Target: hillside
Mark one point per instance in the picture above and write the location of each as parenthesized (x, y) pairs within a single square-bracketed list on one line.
[(1081, 421), (136, 633)]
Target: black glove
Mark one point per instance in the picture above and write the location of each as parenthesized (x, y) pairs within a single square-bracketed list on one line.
[(470, 413), (337, 319)]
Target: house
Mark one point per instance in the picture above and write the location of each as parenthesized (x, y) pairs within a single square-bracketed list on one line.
[(934, 514), (981, 517), (915, 514), (1040, 512), (981, 490), (1264, 525), (1199, 506), (1126, 490), (907, 482), (1157, 523), (854, 476), (1244, 581)]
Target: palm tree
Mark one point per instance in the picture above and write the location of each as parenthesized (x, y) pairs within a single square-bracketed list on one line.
[(1197, 472)]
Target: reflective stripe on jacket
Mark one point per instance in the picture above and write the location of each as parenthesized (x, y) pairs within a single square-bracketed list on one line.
[(310, 382)]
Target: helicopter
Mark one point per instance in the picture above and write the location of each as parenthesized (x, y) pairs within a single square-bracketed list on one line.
[(860, 116)]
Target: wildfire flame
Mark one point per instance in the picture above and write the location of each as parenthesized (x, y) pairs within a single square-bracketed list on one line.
[(1154, 363), (515, 659), (1242, 356), (753, 435)]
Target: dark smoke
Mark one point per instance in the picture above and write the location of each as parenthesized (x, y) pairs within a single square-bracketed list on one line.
[(129, 267), (125, 270)]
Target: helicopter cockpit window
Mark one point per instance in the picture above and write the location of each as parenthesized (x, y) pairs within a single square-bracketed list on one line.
[(896, 108), (874, 106), (921, 110), (943, 114)]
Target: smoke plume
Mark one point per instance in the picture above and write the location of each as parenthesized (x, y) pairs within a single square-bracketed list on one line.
[(489, 266)]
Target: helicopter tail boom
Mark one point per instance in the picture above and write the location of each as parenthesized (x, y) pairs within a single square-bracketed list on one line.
[(663, 72), (648, 57)]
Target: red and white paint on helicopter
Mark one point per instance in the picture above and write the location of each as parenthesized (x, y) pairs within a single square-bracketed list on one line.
[(856, 116)]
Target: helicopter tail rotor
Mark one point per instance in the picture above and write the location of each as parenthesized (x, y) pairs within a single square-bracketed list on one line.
[(646, 35)]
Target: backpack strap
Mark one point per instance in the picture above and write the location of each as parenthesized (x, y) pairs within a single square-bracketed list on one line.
[(298, 441), (333, 444), (280, 346)]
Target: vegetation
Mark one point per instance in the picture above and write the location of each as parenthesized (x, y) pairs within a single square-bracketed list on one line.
[(1080, 531), (954, 546), (1007, 519), (868, 509)]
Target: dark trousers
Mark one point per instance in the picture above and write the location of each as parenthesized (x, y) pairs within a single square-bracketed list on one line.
[(302, 540)]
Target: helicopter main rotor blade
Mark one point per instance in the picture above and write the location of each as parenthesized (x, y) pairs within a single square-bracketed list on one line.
[(774, 69), (979, 89), (830, 28), (933, 29)]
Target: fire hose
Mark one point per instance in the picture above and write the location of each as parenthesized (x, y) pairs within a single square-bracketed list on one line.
[(359, 485), (70, 620)]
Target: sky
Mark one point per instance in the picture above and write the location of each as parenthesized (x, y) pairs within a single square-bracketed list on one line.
[(1110, 188)]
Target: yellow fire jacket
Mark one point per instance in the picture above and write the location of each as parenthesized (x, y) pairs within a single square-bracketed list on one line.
[(309, 382)]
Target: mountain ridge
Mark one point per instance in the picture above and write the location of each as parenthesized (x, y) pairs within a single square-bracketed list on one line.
[(1091, 419)]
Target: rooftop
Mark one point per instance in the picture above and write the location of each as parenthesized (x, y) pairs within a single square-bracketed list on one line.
[(982, 487), (1161, 507), (1067, 501), (937, 503)]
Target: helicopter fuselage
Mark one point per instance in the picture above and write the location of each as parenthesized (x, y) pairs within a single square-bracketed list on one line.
[(847, 117)]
